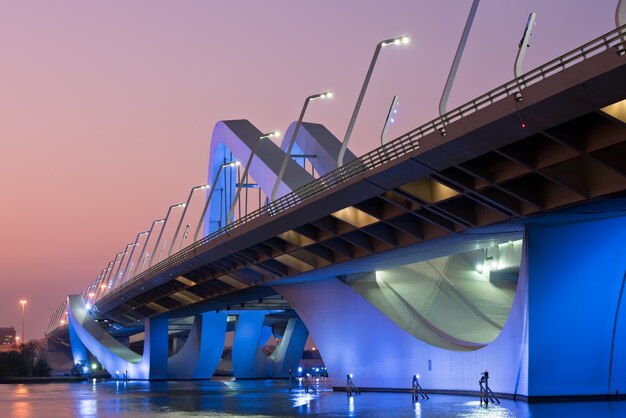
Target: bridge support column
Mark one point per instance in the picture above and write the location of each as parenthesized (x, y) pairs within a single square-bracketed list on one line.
[(79, 351), (565, 334), (577, 337), (354, 337), (201, 353), (289, 352), (155, 347), (249, 362)]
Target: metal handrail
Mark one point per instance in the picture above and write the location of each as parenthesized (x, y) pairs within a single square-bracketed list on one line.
[(397, 148)]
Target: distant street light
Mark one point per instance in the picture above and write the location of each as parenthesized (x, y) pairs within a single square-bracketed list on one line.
[(156, 246), (394, 41), (287, 157), (23, 303), (244, 177), (180, 222), (208, 200)]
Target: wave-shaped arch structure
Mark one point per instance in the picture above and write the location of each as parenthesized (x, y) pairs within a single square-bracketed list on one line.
[(197, 359), (234, 140)]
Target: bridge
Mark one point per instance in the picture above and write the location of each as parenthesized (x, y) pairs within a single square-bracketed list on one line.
[(491, 238)]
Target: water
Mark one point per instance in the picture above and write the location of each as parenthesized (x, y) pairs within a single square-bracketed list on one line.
[(228, 398)]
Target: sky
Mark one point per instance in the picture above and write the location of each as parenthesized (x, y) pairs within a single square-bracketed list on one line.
[(107, 108)]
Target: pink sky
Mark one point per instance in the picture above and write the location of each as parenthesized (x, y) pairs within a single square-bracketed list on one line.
[(106, 108)]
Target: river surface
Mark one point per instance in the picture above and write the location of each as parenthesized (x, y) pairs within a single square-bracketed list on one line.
[(260, 398)]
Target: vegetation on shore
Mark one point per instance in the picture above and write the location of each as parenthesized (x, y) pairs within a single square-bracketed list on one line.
[(26, 360)]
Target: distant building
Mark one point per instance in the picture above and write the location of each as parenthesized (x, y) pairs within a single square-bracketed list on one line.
[(7, 338)]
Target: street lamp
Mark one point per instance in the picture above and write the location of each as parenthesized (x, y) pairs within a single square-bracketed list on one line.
[(180, 222), (23, 303), (208, 200), (130, 258), (244, 177), (142, 254), (109, 281), (102, 281), (456, 61), (116, 278), (178, 205), (401, 40), (287, 157)]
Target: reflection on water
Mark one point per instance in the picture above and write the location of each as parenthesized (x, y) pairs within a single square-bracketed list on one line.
[(418, 410), (21, 391), (264, 398), (21, 408), (87, 407)]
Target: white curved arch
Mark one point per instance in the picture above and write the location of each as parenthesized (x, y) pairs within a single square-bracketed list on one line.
[(315, 139), (234, 140), (113, 355), (197, 359)]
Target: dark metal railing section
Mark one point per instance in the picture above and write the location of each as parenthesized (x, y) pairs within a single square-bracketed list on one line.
[(397, 148)]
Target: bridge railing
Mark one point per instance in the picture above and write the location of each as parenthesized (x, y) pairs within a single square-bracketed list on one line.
[(397, 148)]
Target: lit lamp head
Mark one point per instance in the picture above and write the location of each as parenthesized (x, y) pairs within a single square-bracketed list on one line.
[(401, 40), (325, 95), (273, 134)]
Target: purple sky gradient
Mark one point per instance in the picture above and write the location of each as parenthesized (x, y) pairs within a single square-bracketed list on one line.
[(106, 108)]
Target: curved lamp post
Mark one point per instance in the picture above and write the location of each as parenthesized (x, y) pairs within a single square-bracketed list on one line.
[(208, 200), (287, 157), (102, 284), (244, 177), (142, 254), (180, 222), (130, 258), (457, 60), (156, 246), (393, 41), (116, 278), (111, 278)]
